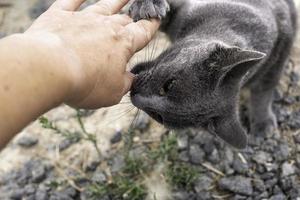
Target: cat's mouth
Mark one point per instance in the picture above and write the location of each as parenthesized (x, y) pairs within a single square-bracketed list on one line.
[(155, 116)]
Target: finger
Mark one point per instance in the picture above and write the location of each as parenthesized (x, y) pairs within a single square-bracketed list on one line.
[(68, 5), (121, 19), (141, 33), (107, 7)]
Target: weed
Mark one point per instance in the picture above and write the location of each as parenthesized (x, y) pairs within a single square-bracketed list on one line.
[(182, 175)]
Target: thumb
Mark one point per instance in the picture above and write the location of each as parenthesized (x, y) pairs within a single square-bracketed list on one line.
[(128, 79)]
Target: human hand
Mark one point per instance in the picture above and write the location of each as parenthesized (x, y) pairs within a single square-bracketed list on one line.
[(95, 45)]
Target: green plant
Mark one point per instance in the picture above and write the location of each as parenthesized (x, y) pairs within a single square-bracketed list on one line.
[(78, 135), (167, 149), (120, 188), (128, 183), (182, 175)]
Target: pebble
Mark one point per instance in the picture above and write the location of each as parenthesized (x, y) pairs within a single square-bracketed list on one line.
[(282, 152), (240, 167), (203, 183), (237, 184), (183, 156), (118, 162), (278, 197), (262, 157), (99, 177), (116, 138), (66, 143), (27, 141), (142, 122), (196, 154), (182, 142), (287, 169), (41, 194)]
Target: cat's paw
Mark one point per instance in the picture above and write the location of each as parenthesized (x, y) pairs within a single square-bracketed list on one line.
[(264, 128), (146, 9)]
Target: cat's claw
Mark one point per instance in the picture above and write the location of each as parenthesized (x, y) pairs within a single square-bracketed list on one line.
[(146, 9)]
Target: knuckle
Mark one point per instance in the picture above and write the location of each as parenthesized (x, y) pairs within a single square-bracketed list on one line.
[(145, 31), (105, 7)]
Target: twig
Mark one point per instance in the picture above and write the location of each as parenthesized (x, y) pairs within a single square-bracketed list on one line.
[(90, 137), (211, 168), (242, 158), (221, 196)]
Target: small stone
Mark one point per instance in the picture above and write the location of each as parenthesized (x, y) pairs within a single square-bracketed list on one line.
[(27, 141), (294, 120), (282, 152), (278, 197), (271, 183), (240, 167), (29, 189), (183, 156), (118, 162), (41, 195), (182, 142), (60, 196), (229, 156), (271, 167), (203, 183), (69, 191), (38, 174), (237, 184), (277, 190), (214, 157), (142, 122), (17, 194), (259, 185), (287, 183), (99, 177), (262, 157), (239, 197), (295, 77), (66, 143), (287, 169), (262, 196), (203, 138), (203, 196), (297, 137), (196, 154), (116, 138), (182, 195)]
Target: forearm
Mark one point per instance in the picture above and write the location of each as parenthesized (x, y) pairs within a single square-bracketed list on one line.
[(32, 82)]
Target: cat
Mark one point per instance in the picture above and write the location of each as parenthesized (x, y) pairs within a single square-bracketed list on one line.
[(218, 47)]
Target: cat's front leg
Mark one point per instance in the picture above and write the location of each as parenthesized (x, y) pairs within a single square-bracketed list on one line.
[(263, 120), (146, 9)]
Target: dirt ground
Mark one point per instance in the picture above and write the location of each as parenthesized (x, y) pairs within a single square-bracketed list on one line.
[(16, 16)]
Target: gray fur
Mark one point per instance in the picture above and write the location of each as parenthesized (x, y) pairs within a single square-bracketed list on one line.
[(219, 46)]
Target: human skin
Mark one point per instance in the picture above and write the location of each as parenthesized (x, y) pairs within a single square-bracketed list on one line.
[(68, 56)]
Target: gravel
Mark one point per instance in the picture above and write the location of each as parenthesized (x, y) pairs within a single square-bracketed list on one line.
[(237, 184)]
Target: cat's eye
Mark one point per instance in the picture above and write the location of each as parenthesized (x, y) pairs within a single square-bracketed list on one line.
[(166, 87)]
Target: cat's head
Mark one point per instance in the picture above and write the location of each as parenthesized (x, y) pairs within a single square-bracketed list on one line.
[(195, 85)]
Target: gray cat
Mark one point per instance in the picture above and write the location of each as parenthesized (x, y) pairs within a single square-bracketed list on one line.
[(219, 46)]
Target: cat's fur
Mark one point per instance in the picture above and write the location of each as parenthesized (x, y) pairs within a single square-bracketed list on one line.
[(219, 46)]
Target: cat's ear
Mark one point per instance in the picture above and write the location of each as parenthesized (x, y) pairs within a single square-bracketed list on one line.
[(230, 130), (232, 62)]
